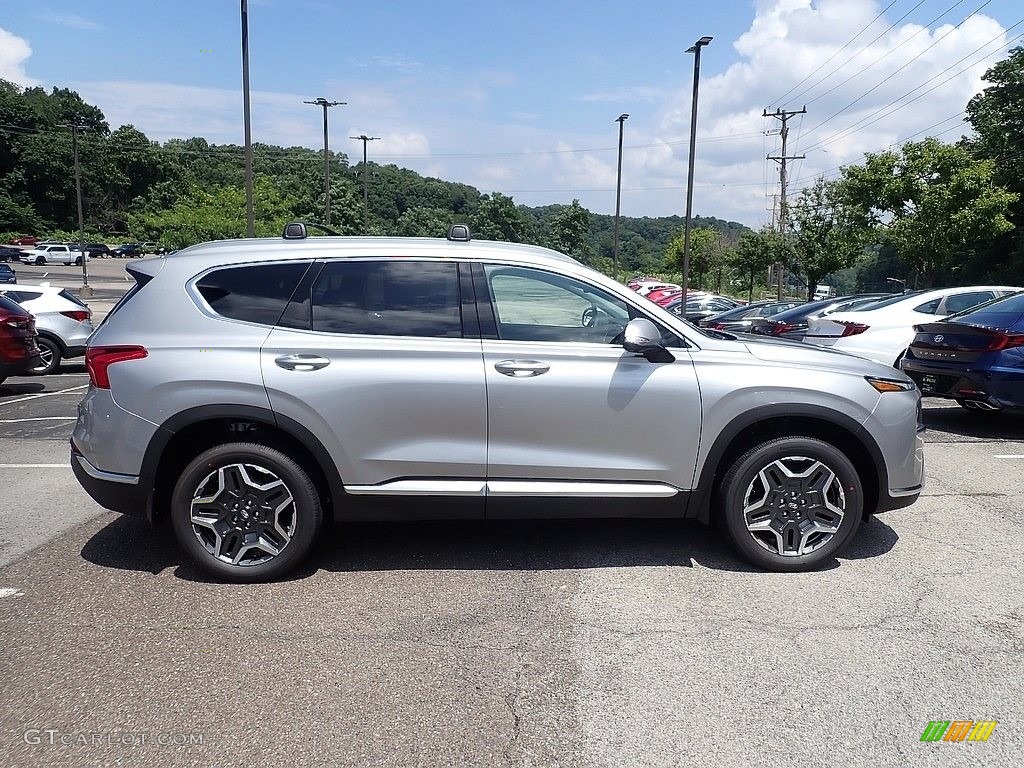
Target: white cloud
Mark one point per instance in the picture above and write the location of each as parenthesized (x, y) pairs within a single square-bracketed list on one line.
[(72, 20), (14, 52)]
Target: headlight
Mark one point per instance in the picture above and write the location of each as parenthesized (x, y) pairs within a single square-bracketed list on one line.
[(890, 385)]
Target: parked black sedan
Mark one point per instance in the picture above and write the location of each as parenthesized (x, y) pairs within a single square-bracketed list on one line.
[(792, 323), (738, 320), (702, 306), (975, 358)]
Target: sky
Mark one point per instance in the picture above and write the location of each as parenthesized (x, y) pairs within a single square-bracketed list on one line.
[(521, 97)]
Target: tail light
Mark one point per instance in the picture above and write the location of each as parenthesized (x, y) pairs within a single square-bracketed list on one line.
[(851, 328), (777, 328), (1001, 340), (99, 359), (18, 323), (716, 326), (81, 315)]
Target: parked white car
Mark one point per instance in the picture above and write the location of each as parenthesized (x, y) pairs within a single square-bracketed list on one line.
[(883, 331), (53, 254), (64, 321)]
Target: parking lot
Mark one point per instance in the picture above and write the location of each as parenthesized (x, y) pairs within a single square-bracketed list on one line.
[(570, 643)]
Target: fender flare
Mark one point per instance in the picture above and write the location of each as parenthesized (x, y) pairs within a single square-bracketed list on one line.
[(700, 500)]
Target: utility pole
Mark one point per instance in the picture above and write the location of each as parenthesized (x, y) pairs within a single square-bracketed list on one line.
[(250, 217), (86, 290), (322, 102), (621, 120), (366, 181), (783, 115)]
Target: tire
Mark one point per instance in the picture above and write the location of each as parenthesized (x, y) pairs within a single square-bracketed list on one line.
[(40, 261), (292, 531), (51, 354), (811, 485), (78, 261)]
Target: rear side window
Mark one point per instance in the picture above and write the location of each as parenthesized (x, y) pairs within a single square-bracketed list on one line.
[(73, 299), (388, 298), (964, 301), (999, 314), (255, 293), (930, 308)]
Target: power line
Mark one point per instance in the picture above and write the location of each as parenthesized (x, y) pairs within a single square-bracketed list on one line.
[(858, 53), (893, 74), (847, 44), (866, 121), (891, 51)]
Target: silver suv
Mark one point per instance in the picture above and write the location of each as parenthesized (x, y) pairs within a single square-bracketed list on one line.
[(245, 389)]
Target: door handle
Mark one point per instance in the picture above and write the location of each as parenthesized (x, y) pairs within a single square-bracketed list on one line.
[(521, 369), (302, 362)]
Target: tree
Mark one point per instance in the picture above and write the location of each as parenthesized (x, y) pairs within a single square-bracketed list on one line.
[(933, 202), (705, 252), (825, 240), (201, 215), (424, 222), (497, 218), (997, 116), (757, 251), (569, 231)]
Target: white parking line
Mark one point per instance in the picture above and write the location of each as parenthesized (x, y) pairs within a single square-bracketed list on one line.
[(1010, 455), (39, 418), (35, 466), (45, 394), (10, 592)]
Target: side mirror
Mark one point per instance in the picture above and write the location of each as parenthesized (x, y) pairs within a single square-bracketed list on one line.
[(643, 337)]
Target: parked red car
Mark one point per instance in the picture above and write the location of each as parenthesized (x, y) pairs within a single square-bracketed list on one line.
[(18, 349), (25, 240)]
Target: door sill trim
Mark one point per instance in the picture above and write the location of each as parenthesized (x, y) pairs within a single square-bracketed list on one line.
[(516, 488)]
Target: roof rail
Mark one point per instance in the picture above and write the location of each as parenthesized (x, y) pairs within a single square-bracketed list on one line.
[(459, 233), (299, 230)]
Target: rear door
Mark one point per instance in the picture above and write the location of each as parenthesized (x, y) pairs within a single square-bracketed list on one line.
[(373, 356)]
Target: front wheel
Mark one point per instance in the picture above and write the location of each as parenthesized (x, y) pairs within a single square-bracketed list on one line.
[(245, 512), (791, 504), (40, 261)]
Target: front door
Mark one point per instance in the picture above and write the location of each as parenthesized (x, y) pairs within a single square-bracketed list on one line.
[(570, 412)]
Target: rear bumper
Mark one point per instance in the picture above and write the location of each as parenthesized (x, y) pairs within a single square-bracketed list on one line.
[(119, 493), (998, 387)]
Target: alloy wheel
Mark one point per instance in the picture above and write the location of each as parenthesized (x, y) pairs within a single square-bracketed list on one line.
[(794, 506), (243, 514)]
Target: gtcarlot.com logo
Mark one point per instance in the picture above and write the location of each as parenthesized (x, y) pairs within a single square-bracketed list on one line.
[(958, 730), (53, 737)]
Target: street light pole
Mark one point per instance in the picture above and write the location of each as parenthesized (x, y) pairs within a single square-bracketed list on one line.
[(86, 290), (621, 120), (322, 102), (366, 181), (250, 217), (695, 50)]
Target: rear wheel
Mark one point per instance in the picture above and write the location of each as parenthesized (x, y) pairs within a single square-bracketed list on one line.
[(791, 504), (245, 512), (78, 261), (50, 356)]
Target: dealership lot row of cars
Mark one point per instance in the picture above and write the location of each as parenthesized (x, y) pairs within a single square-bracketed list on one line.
[(46, 252), (965, 344)]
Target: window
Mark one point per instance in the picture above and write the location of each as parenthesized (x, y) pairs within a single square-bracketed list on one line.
[(388, 298), (532, 305), (964, 301), (929, 308), (999, 314), (253, 293)]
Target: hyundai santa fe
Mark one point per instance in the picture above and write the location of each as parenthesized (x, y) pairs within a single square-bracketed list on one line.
[(245, 391)]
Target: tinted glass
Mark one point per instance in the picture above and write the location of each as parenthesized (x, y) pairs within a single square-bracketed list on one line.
[(74, 299), (388, 298), (928, 308), (254, 293), (964, 301), (1006, 314)]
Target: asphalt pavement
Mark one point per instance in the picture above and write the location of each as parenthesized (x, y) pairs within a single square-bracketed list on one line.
[(564, 643)]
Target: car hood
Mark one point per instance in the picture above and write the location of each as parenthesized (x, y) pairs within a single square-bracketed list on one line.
[(775, 350)]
